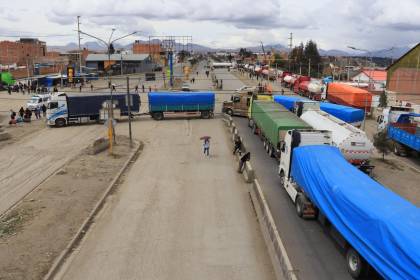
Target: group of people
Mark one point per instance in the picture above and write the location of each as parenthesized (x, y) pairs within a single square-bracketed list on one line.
[(237, 148), (25, 115)]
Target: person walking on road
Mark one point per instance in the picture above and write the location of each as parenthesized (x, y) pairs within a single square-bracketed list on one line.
[(136, 89), (246, 157), (91, 87), (282, 91), (238, 145), (142, 88), (206, 146)]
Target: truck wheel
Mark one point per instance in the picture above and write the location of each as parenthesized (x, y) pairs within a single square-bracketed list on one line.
[(250, 123), (205, 114), (254, 128), (299, 206), (271, 151), (229, 112), (400, 150), (356, 265), (158, 116), (60, 122)]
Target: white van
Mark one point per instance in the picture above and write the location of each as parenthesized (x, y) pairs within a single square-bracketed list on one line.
[(37, 101)]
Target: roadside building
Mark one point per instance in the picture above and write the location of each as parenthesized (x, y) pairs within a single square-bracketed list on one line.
[(22, 52), (376, 79), (403, 79), (155, 50), (131, 63)]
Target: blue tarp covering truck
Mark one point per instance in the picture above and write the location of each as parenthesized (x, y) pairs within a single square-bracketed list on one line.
[(375, 226), (162, 104), (405, 134), (348, 114)]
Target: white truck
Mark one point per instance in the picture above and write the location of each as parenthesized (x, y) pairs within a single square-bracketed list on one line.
[(391, 115), (352, 142)]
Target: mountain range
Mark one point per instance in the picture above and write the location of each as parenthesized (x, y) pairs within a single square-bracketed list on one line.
[(95, 46)]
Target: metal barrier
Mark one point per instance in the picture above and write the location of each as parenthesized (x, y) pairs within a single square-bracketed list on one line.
[(281, 263)]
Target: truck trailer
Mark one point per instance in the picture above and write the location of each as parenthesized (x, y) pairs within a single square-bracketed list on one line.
[(351, 141), (271, 121), (348, 114), (374, 226), (67, 108), (343, 94), (163, 104)]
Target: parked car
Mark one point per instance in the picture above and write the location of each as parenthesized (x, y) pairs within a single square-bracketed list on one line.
[(185, 87), (37, 101)]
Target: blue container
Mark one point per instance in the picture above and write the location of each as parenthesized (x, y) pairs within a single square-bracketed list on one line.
[(181, 101)]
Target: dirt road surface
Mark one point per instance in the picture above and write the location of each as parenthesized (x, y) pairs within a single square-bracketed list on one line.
[(177, 215), (27, 162)]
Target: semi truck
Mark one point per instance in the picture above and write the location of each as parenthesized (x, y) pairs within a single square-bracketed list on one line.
[(352, 142), (240, 103), (67, 108), (405, 134), (348, 114), (375, 227), (271, 121), (163, 104)]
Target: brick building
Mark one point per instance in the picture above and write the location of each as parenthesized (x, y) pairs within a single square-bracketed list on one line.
[(155, 50), (403, 77), (26, 50)]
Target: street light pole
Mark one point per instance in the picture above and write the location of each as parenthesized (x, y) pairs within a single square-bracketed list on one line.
[(111, 134)]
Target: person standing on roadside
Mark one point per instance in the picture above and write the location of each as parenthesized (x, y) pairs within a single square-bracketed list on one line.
[(21, 112), (246, 157), (136, 89), (9, 90), (91, 87), (44, 110), (142, 88)]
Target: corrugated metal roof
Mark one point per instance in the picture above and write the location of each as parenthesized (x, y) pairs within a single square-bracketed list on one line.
[(376, 75), (116, 57)]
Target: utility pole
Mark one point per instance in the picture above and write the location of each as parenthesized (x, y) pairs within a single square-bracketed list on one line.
[(121, 63), (290, 46), (80, 50), (129, 110)]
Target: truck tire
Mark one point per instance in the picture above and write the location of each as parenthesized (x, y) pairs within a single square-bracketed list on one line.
[(60, 122), (229, 112), (205, 114), (250, 123), (158, 116), (356, 265), (400, 150), (299, 205), (271, 151), (254, 129)]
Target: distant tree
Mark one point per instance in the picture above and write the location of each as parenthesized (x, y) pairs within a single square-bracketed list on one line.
[(278, 61), (382, 143), (245, 53), (311, 53), (383, 100), (111, 49)]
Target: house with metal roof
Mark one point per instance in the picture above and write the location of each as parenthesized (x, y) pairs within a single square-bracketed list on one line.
[(376, 79), (120, 62)]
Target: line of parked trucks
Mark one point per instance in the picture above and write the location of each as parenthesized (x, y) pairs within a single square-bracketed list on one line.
[(319, 154), (318, 157)]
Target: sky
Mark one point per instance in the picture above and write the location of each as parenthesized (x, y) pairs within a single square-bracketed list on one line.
[(364, 24)]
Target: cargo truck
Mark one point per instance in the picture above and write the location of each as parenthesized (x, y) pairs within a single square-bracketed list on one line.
[(405, 134), (239, 103), (351, 141), (348, 114), (373, 226), (163, 104), (66, 108), (271, 121)]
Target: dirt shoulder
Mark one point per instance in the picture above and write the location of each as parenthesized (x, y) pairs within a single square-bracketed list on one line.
[(39, 228)]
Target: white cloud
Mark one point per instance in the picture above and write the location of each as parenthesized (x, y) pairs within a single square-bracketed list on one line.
[(333, 24)]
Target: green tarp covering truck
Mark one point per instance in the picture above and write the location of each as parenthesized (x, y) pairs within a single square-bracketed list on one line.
[(271, 121)]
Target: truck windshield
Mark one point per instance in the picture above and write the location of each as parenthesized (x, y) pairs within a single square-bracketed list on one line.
[(52, 105), (34, 99)]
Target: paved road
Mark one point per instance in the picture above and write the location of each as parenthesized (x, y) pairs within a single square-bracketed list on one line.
[(177, 215), (29, 161), (313, 254)]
